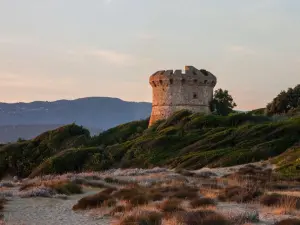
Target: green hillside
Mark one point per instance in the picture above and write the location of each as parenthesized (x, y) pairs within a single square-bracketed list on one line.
[(184, 140)]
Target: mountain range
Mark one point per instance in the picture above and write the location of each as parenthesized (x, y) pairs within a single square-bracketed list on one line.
[(27, 120)]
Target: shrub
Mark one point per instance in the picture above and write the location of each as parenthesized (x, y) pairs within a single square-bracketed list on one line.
[(288, 222), (280, 201), (239, 194), (2, 202), (92, 201), (118, 209), (202, 217), (138, 200), (109, 202), (127, 193), (202, 202), (141, 218), (68, 188), (170, 205)]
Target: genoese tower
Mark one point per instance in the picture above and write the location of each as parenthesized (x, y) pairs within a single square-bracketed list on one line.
[(176, 90)]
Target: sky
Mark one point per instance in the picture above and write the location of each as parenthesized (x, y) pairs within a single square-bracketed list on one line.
[(54, 49)]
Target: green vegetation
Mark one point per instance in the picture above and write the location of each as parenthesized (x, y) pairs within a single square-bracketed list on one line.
[(21, 158), (222, 103), (67, 188), (285, 102), (288, 163), (184, 140)]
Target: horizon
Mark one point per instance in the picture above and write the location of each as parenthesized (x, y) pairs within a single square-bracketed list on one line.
[(54, 50)]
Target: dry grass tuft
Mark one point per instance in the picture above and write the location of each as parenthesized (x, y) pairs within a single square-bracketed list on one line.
[(92, 201), (281, 201), (141, 218), (202, 202), (239, 194), (288, 222), (118, 209), (170, 205), (2, 202), (201, 217)]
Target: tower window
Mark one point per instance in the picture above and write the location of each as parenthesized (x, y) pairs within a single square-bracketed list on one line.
[(171, 81), (195, 96), (183, 81), (195, 81)]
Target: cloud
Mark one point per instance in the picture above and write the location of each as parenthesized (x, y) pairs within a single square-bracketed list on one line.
[(114, 57), (12, 80), (241, 49)]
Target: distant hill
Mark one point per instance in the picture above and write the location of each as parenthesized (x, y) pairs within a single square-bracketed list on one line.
[(26, 120), (13, 132)]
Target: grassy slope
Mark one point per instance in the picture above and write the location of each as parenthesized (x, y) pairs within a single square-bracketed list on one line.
[(21, 158), (184, 140), (288, 163)]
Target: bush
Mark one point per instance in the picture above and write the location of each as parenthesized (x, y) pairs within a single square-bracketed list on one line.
[(202, 202), (239, 194), (92, 201), (288, 222), (202, 217), (170, 205), (68, 188), (118, 209), (142, 218), (139, 200), (2, 202), (280, 201)]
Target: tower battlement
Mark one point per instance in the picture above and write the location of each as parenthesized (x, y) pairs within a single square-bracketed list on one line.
[(173, 90)]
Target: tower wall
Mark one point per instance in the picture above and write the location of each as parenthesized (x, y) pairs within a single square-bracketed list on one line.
[(175, 90)]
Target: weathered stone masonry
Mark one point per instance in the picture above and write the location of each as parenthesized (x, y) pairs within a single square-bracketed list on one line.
[(175, 90)]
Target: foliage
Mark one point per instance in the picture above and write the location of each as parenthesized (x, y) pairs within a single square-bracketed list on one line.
[(21, 158), (285, 101), (222, 102), (184, 140)]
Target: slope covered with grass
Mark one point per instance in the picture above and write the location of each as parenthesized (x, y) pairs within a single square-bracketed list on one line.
[(184, 140), (22, 157)]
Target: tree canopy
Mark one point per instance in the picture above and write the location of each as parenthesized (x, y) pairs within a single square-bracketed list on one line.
[(222, 103), (285, 101)]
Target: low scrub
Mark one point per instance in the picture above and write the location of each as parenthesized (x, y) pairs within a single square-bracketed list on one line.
[(185, 141), (141, 218), (2, 202), (92, 201), (277, 200), (239, 194), (202, 217), (170, 205), (68, 188), (288, 222), (202, 202)]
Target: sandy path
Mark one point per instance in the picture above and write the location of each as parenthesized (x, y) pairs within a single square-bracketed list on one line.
[(48, 211)]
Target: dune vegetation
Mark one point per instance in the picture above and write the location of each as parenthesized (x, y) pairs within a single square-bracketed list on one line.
[(183, 141)]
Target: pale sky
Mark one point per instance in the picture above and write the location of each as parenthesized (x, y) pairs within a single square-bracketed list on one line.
[(67, 49)]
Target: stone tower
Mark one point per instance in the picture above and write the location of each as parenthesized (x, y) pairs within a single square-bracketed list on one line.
[(175, 90)]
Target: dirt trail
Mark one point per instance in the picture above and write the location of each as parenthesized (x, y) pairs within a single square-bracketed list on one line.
[(49, 211)]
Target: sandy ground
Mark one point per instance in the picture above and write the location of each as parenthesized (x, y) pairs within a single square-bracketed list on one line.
[(49, 211)]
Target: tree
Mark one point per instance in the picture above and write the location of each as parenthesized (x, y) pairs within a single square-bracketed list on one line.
[(285, 101), (222, 103)]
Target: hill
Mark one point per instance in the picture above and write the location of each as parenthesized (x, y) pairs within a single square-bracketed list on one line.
[(95, 113), (185, 140)]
